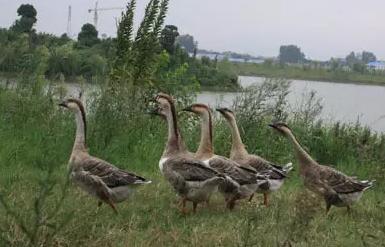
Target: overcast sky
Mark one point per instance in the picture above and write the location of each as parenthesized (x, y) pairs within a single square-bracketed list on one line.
[(322, 28)]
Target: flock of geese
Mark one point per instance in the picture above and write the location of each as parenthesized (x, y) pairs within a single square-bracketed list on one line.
[(196, 176)]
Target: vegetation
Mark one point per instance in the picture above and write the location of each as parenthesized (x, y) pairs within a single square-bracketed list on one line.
[(39, 207), (26, 53), (312, 71), (291, 54), (27, 19), (187, 42)]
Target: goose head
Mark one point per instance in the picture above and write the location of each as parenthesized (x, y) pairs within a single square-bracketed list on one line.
[(199, 109), (282, 128), (74, 105), (164, 105), (226, 112)]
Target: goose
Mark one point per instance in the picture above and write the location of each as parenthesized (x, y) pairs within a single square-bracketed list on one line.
[(192, 180), (276, 174), (242, 181), (335, 187), (97, 177)]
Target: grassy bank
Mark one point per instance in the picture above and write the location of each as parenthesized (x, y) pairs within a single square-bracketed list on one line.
[(290, 72), (36, 202)]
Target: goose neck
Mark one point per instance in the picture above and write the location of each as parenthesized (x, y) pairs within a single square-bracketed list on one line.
[(303, 157), (205, 148), (175, 142), (80, 138), (237, 147)]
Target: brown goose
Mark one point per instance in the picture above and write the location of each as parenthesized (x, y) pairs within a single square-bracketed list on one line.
[(242, 182), (276, 174), (335, 187), (99, 178), (191, 178)]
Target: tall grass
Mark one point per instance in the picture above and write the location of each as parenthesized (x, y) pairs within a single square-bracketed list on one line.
[(39, 208), (302, 73)]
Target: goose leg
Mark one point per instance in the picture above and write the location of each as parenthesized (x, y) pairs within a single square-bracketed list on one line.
[(349, 210), (251, 197), (183, 206), (328, 206), (266, 199), (112, 205), (195, 204), (231, 204)]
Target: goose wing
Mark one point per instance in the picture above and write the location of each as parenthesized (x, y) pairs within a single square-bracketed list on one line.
[(191, 170), (110, 174), (340, 182), (93, 184), (229, 167), (267, 168)]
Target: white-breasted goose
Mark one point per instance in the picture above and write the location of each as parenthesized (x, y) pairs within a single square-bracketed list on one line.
[(191, 178), (335, 187), (99, 178), (241, 182), (276, 174)]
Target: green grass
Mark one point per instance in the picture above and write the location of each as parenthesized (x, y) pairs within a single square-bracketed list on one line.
[(36, 140), (291, 72), (152, 218)]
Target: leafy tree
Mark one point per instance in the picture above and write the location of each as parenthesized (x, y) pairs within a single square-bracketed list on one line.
[(368, 57), (359, 67), (88, 35), (351, 59), (168, 38), (27, 19), (138, 54), (291, 54), (187, 42)]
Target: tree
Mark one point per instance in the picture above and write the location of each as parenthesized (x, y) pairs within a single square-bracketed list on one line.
[(368, 57), (351, 59), (27, 19), (187, 42), (88, 35), (290, 54), (359, 67), (168, 37)]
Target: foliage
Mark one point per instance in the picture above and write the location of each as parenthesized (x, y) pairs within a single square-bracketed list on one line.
[(137, 56), (334, 73), (36, 219), (187, 42), (88, 36), (168, 37), (36, 143), (368, 57), (27, 19), (290, 54), (357, 61)]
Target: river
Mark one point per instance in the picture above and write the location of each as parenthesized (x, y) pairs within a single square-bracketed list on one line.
[(343, 102)]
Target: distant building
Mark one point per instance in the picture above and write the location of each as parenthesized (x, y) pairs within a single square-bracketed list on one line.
[(377, 65), (220, 57)]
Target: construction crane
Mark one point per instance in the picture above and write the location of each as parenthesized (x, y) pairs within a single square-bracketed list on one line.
[(69, 34), (96, 10)]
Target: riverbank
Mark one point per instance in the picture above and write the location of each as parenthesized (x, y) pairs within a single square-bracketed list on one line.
[(248, 69), (36, 145)]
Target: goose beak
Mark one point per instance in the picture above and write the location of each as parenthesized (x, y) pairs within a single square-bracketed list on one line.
[(272, 126), (63, 104), (189, 109), (153, 111), (221, 110)]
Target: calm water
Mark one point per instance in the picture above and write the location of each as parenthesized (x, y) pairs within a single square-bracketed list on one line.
[(342, 102)]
